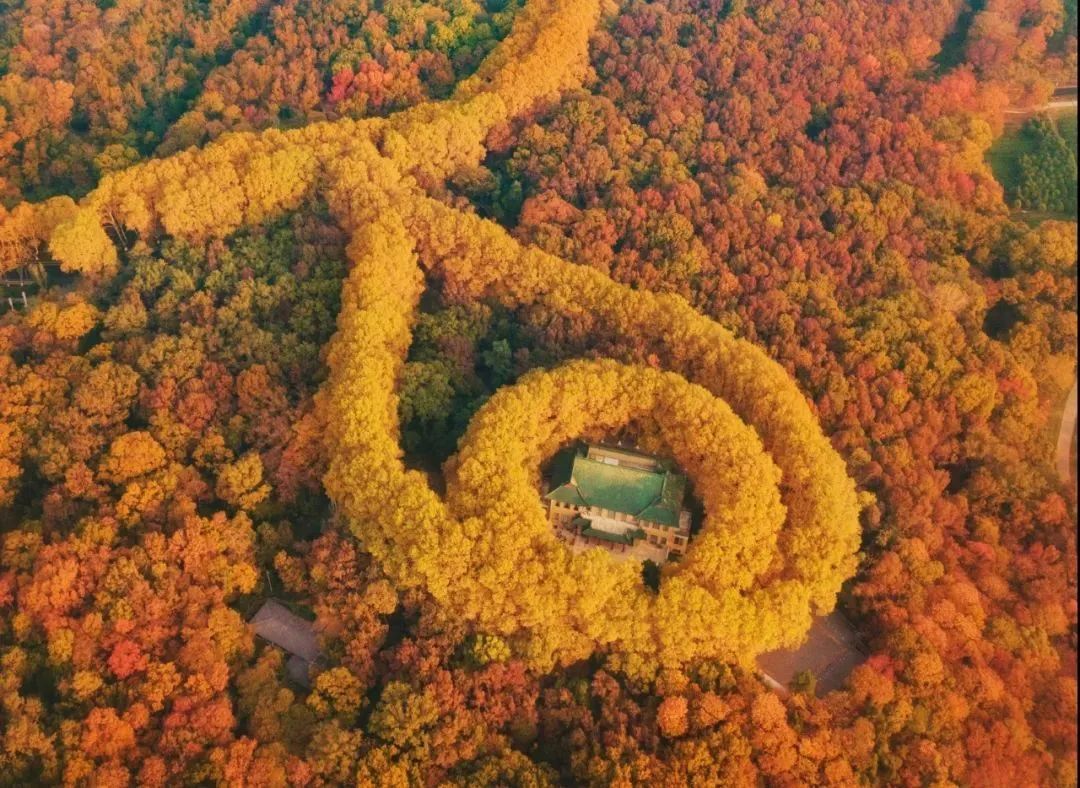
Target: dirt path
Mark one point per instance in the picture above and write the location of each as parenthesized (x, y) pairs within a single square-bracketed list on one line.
[(1050, 106), (1063, 457), (1064, 98)]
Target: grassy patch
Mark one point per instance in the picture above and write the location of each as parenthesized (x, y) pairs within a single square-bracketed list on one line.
[(1007, 155), (1067, 126), (1004, 159)]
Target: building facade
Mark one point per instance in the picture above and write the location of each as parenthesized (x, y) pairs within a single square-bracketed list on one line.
[(623, 500)]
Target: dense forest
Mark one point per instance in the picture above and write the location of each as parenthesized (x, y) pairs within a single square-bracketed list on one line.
[(313, 289)]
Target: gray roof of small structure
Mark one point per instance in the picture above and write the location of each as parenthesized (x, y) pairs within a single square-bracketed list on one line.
[(833, 648), (277, 624), (297, 669)]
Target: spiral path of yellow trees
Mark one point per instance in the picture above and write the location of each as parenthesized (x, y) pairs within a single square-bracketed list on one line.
[(781, 528)]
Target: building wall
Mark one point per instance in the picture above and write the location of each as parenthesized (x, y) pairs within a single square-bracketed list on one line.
[(560, 514), (674, 540)]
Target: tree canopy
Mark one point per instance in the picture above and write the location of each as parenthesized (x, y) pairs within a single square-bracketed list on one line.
[(294, 256)]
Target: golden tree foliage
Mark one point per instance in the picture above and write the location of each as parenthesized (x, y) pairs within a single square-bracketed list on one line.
[(130, 455), (730, 598), (479, 259), (545, 53), (247, 178), (782, 515), (27, 225), (80, 244), (241, 484), (64, 322)]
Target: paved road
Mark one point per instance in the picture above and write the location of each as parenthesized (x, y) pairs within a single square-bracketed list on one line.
[(1067, 438)]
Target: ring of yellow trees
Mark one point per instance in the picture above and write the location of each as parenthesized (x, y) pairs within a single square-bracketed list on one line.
[(495, 479), (751, 581)]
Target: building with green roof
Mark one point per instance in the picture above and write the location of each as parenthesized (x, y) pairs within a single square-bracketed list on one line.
[(617, 497)]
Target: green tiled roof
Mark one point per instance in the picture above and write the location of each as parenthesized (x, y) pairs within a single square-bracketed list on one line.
[(568, 494), (666, 510), (655, 496), (627, 537), (607, 536)]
